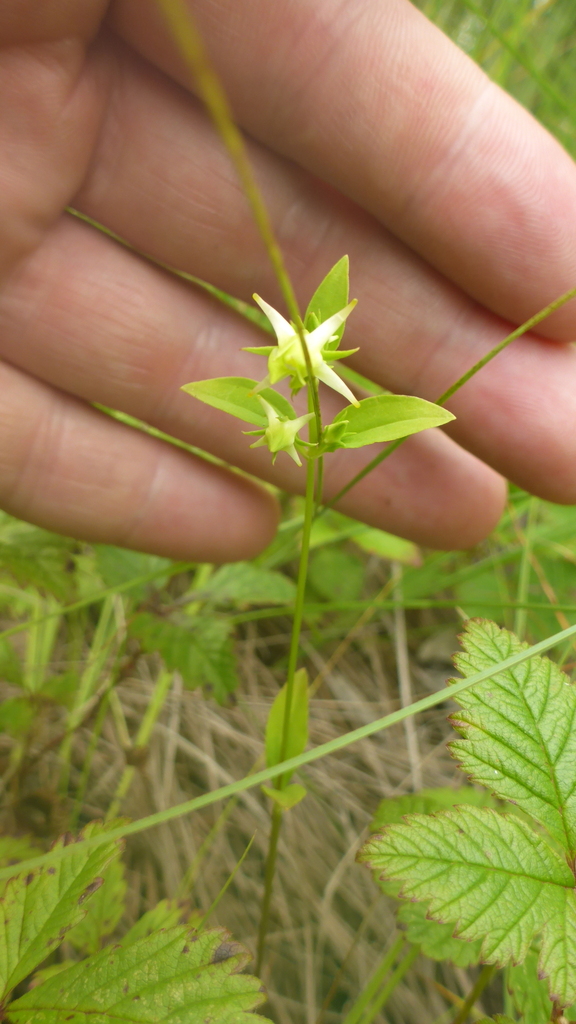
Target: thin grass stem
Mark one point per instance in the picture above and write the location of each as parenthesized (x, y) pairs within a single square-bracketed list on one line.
[(484, 979), (294, 763), (370, 990)]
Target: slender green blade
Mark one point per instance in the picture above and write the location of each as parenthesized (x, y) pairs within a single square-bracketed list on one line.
[(388, 417), (234, 395)]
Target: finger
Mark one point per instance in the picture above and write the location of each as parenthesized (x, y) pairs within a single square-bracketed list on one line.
[(160, 178), (108, 327), (68, 468), (52, 100), (381, 104)]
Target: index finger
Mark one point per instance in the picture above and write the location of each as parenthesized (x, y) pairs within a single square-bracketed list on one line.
[(378, 102)]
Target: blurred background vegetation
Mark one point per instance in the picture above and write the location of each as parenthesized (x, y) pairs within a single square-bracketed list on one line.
[(129, 683)]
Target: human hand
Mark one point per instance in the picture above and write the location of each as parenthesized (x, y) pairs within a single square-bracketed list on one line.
[(372, 135)]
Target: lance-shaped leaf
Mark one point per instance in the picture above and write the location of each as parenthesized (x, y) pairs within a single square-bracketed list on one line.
[(297, 736), (235, 396), (330, 296), (518, 729), (388, 417), (174, 975), (39, 908), (494, 879)]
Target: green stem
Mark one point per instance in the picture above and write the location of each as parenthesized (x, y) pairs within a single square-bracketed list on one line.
[(521, 615), (292, 663), (384, 995), (367, 995), (268, 884), (483, 979), (293, 763), (527, 326)]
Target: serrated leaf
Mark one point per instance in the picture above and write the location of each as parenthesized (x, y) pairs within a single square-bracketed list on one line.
[(174, 975), (201, 651), (104, 911), (393, 809), (298, 727), (528, 995), (494, 878), (330, 297), (518, 729), (166, 914), (436, 940), (118, 565), (234, 396), (244, 583), (388, 417), (38, 909)]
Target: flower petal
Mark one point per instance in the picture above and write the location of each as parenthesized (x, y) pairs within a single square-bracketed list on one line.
[(283, 330), (329, 377), (320, 335)]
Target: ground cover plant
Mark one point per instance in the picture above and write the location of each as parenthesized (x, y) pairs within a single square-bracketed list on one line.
[(254, 722)]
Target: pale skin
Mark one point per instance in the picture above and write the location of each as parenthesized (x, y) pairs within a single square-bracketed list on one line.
[(372, 135)]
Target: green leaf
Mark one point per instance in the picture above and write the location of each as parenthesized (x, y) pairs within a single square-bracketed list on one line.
[(436, 940), (298, 728), (528, 995), (386, 545), (387, 417), (336, 575), (498, 1019), (104, 911), (166, 914), (201, 651), (118, 565), (174, 975), (288, 797), (393, 809), (330, 297), (39, 908), (234, 396), (494, 878), (244, 583), (519, 730), (16, 716)]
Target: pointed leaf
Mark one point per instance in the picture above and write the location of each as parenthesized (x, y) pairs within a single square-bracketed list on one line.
[(528, 995), (494, 879), (393, 809), (38, 909), (387, 417), (174, 975), (166, 914), (330, 297), (436, 940), (298, 728), (234, 395), (245, 583), (519, 730)]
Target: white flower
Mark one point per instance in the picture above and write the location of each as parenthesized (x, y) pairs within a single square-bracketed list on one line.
[(286, 359), (280, 434)]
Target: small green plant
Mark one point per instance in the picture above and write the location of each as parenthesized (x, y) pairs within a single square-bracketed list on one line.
[(500, 882), (305, 351)]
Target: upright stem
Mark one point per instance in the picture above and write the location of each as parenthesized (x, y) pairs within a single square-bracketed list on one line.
[(292, 663), (483, 979)]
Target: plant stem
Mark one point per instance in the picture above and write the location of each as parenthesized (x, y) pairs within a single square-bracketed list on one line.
[(367, 995), (482, 981), (268, 884), (524, 575), (384, 995), (293, 763), (292, 663)]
